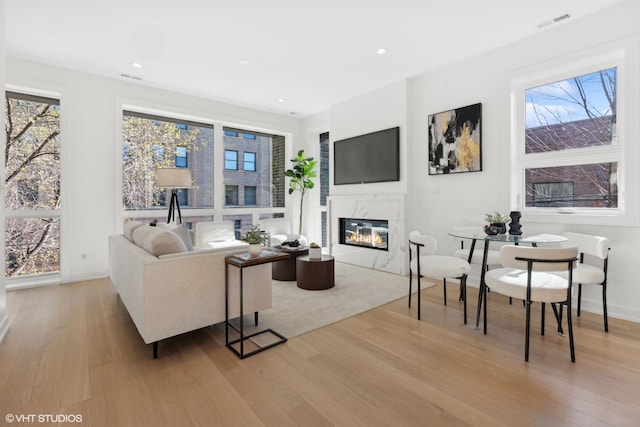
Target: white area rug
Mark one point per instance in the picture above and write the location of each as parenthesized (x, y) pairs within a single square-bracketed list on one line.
[(357, 289)]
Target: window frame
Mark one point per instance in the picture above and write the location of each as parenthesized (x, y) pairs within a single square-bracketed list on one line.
[(58, 214), (255, 195), (623, 55), (245, 162), (230, 160)]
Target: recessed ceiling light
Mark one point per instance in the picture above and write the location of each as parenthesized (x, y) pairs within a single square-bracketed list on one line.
[(280, 99), (245, 61), (381, 51), (136, 65)]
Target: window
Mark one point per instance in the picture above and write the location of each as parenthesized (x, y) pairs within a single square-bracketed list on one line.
[(264, 156), (324, 184), (181, 157), (32, 185), (553, 194), (568, 145), (230, 160), (250, 162), (150, 142), (250, 196), (231, 195)]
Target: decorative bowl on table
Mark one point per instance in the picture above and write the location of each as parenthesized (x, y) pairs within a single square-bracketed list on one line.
[(492, 230)]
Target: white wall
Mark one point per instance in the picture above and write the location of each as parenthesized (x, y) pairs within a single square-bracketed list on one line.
[(312, 128), (90, 111), (374, 111), (436, 203), (4, 321)]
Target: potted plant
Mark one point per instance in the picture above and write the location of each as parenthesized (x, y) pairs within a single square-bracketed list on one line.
[(497, 223), (301, 178), (315, 251), (255, 238)]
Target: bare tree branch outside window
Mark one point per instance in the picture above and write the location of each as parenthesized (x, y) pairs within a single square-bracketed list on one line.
[(572, 114), (32, 182)]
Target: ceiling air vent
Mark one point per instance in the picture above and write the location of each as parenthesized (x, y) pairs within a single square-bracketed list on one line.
[(129, 76), (561, 18), (554, 21)]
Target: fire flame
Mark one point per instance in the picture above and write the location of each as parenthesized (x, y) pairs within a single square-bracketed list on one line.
[(366, 239)]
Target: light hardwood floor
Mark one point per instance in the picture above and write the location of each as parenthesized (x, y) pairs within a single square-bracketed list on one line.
[(72, 349)]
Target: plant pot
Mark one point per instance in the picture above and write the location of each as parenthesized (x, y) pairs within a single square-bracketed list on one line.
[(315, 253), (494, 229), (255, 249)]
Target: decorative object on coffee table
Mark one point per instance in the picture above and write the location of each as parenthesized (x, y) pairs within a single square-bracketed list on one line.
[(315, 274), (315, 251), (514, 225)]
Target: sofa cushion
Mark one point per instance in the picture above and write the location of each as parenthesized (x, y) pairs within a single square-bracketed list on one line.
[(214, 232), (180, 230), (183, 233), (157, 241), (128, 227)]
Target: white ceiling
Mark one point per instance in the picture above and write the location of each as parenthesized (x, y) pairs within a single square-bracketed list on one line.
[(311, 54)]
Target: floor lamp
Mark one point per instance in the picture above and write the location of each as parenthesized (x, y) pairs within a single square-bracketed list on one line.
[(173, 178)]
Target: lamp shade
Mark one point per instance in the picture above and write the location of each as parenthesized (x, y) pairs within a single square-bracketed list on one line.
[(173, 178)]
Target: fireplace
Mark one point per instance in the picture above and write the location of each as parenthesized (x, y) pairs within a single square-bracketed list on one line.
[(368, 233)]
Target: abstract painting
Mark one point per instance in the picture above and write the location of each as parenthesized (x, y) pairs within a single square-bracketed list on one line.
[(455, 141)]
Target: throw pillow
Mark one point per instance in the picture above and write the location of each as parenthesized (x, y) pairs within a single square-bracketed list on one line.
[(183, 233), (161, 242), (129, 227)]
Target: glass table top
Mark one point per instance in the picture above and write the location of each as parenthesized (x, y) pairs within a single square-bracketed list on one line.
[(479, 234)]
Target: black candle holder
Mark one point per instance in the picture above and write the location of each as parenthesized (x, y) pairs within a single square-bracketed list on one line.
[(514, 224)]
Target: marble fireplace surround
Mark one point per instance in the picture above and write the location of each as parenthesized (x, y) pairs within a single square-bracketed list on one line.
[(388, 207)]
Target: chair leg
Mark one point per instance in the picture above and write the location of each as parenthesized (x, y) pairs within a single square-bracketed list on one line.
[(542, 310), (570, 327), (528, 327), (444, 287), (419, 294), (558, 313), (463, 283), (155, 349), (410, 279), (255, 317), (579, 297), (604, 307)]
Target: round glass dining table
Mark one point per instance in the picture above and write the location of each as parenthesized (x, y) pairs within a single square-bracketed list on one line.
[(474, 235)]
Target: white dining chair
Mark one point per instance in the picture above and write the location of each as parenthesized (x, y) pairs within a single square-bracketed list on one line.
[(528, 274), (424, 263), (592, 269)]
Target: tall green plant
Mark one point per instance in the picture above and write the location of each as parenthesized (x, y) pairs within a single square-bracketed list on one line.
[(301, 178)]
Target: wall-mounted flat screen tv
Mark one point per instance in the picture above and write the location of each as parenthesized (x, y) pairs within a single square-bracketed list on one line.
[(374, 157)]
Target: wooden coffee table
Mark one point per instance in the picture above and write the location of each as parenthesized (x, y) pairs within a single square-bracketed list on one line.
[(286, 269), (315, 274)]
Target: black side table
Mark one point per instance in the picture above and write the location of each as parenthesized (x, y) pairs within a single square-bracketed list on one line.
[(315, 274), (241, 261), (286, 270)]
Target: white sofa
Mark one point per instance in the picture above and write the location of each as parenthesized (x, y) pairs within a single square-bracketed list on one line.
[(169, 290), (217, 234), (279, 230)]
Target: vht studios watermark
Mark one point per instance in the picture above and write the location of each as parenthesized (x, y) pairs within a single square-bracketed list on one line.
[(43, 418)]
